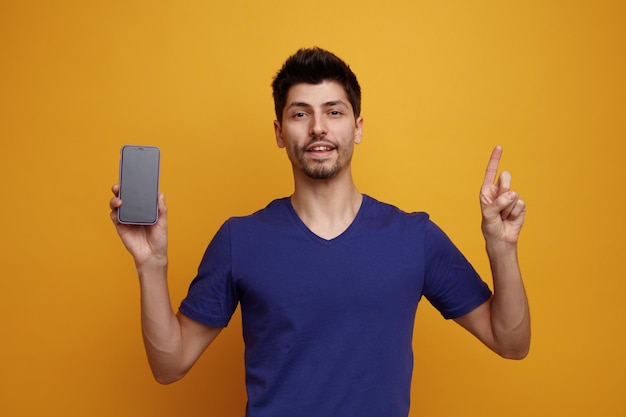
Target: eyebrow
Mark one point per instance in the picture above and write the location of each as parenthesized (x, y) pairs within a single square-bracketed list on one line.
[(326, 104)]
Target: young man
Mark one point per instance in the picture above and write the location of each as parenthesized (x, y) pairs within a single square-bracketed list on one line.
[(329, 279)]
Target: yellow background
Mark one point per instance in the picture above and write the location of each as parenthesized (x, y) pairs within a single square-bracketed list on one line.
[(443, 82)]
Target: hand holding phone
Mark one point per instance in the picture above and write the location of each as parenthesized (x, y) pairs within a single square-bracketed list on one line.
[(139, 185)]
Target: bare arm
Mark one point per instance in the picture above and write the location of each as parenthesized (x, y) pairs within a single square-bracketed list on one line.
[(173, 342), (503, 322)]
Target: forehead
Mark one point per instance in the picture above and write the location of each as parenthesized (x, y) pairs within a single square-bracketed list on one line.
[(317, 94)]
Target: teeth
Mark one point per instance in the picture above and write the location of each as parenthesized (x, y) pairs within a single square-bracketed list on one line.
[(320, 148)]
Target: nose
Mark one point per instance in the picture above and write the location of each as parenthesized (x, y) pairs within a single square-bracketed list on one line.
[(318, 126)]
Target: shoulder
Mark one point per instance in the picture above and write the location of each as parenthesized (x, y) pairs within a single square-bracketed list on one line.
[(277, 208), (378, 211), (277, 214)]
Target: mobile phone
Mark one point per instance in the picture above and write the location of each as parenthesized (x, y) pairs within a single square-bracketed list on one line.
[(139, 184)]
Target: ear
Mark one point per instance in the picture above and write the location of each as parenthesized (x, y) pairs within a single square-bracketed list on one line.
[(358, 130), (278, 132)]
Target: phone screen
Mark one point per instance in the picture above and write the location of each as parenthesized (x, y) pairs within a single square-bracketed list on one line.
[(139, 184)]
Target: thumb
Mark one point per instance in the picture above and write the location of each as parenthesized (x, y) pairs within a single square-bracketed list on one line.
[(501, 206)]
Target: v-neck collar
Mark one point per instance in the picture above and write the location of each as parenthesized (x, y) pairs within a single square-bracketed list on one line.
[(342, 236)]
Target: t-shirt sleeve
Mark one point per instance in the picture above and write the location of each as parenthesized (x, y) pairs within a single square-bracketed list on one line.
[(451, 284), (212, 297)]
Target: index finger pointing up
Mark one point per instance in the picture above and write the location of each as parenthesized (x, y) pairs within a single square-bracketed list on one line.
[(492, 166)]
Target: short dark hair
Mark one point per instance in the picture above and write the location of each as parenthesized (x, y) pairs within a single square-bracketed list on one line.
[(314, 66)]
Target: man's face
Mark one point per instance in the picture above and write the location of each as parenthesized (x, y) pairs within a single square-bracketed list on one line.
[(319, 129)]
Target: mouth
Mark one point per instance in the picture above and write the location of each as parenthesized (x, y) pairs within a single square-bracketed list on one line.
[(320, 148)]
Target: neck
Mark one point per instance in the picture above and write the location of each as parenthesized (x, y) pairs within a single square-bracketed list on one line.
[(327, 207)]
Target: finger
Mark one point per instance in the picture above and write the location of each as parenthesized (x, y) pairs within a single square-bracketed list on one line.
[(518, 210), (161, 202), (492, 166), (162, 220), (487, 196), (513, 198), (504, 182), (115, 203), (114, 217), (501, 206), (162, 205)]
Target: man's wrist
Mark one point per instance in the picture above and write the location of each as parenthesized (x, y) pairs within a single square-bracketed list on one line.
[(501, 249), (152, 265)]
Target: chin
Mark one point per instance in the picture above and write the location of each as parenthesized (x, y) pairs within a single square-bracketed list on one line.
[(321, 172)]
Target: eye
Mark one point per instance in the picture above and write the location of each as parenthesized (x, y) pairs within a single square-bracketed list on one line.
[(299, 115), (335, 113)]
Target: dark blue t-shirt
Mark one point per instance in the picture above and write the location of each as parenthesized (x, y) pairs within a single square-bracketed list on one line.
[(328, 324)]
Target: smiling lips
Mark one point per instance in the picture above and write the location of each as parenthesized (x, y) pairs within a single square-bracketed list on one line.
[(320, 147)]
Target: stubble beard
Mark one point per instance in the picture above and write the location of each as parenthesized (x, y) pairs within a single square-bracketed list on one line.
[(317, 169)]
